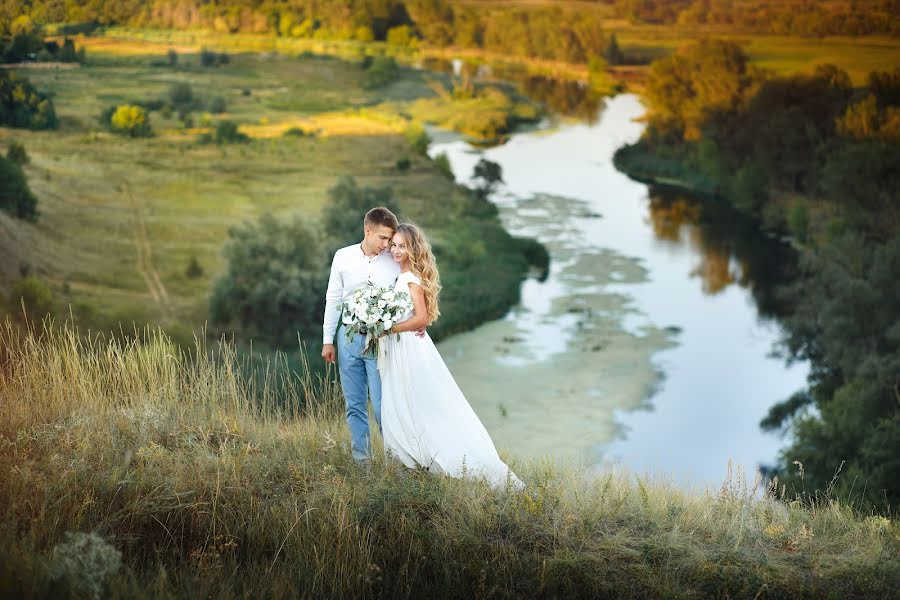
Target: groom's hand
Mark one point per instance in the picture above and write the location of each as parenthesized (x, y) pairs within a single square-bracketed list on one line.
[(328, 353)]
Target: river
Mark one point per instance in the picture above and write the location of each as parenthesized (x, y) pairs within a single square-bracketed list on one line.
[(649, 344)]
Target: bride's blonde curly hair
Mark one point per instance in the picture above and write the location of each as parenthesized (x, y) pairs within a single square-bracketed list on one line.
[(421, 262)]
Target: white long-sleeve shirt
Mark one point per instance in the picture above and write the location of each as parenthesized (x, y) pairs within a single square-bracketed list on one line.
[(351, 268)]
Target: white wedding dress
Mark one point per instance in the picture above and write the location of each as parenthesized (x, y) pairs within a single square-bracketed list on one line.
[(425, 419)]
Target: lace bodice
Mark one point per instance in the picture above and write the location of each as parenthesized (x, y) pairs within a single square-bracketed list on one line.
[(402, 285)]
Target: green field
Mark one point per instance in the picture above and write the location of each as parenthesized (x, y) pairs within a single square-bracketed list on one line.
[(122, 218), (781, 54)]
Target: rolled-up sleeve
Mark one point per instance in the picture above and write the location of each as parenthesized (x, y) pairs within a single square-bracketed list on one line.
[(333, 297)]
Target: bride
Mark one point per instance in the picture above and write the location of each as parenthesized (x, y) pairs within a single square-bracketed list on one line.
[(425, 419)]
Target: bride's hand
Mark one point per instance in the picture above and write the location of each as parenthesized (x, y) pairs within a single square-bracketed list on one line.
[(420, 332)]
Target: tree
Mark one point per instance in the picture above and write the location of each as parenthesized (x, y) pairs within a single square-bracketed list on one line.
[(15, 196), (488, 174), (613, 54), (711, 76), (274, 285), (846, 325), (347, 206), (227, 133)]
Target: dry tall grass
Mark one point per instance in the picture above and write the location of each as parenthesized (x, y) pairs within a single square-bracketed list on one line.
[(132, 468)]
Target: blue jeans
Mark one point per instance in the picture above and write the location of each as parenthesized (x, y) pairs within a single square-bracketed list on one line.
[(359, 375)]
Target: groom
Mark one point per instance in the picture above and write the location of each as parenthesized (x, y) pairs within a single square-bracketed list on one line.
[(352, 267)]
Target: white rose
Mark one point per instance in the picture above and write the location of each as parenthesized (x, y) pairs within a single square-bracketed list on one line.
[(388, 323)]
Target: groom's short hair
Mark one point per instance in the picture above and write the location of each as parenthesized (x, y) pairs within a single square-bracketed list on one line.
[(381, 216)]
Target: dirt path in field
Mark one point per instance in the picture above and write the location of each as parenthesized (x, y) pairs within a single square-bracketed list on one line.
[(145, 256)]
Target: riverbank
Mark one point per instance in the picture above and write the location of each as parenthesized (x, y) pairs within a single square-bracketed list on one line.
[(164, 475)]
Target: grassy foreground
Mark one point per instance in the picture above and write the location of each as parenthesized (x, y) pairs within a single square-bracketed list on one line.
[(133, 469)]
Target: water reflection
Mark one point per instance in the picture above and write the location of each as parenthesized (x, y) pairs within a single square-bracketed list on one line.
[(568, 98), (730, 247)]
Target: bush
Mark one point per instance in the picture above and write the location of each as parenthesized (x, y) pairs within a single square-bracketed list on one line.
[(34, 295), (209, 58), (295, 132), (275, 282), (381, 71), (443, 165), (15, 196), (21, 105), (68, 53), (418, 140), (227, 133), (132, 120), (16, 153), (403, 164), (181, 94), (172, 56), (194, 270), (217, 105)]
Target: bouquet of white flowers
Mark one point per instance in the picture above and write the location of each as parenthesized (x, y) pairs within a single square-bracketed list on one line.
[(372, 311)]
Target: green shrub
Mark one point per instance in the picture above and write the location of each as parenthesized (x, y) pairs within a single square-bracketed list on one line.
[(274, 285), (181, 94), (15, 196), (34, 295), (217, 105), (68, 53), (418, 140), (443, 165), (21, 105), (403, 164), (227, 133), (381, 71), (194, 270), (208, 58), (172, 57), (16, 153)]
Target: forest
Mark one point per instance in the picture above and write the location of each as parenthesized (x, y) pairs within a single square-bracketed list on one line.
[(812, 157)]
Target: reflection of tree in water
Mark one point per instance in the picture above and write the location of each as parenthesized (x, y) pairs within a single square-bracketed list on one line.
[(730, 246), (569, 98)]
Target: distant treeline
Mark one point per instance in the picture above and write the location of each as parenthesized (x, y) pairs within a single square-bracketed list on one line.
[(783, 17), (811, 156), (572, 33)]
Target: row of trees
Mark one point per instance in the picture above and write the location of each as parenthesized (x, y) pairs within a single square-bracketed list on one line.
[(813, 155), (792, 17), (548, 31)]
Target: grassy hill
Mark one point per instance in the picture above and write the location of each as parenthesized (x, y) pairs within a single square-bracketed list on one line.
[(122, 218), (137, 470)]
